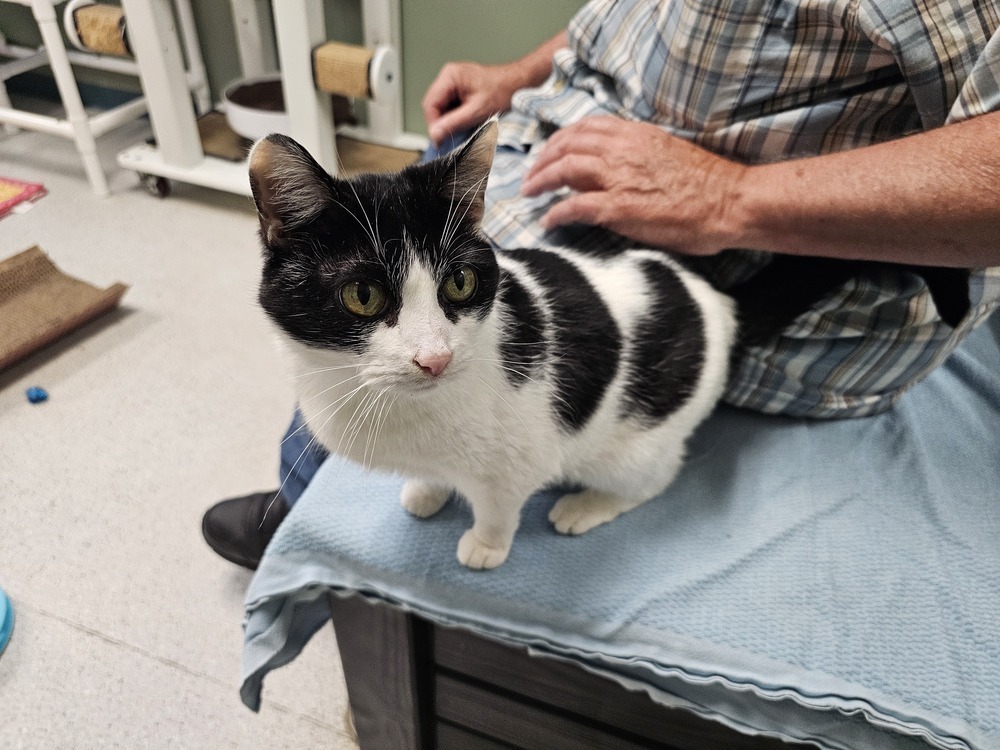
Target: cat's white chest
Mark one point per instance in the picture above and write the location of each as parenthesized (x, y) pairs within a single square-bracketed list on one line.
[(446, 433)]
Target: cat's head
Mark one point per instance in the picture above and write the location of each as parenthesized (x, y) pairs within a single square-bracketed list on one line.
[(389, 271)]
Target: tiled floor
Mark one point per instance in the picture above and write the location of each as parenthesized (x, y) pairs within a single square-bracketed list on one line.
[(128, 627)]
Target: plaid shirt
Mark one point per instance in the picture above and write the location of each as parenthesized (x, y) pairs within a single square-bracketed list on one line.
[(762, 81)]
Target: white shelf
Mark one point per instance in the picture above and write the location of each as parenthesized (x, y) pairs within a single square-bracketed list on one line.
[(210, 172)]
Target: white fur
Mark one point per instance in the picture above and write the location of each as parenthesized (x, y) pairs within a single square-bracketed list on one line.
[(470, 430)]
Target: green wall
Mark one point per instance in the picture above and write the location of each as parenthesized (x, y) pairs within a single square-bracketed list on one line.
[(487, 31), (434, 32)]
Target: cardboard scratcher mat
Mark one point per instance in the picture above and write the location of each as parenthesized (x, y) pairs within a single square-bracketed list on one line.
[(220, 140), (39, 304)]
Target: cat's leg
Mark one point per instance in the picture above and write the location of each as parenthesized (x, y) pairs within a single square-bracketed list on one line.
[(423, 499), (611, 493), (579, 512), (497, 516)]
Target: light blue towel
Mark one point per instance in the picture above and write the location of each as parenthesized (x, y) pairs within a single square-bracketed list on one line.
[(836, 582)]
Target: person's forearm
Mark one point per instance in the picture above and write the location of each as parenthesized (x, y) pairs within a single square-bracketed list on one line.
[(927, 199), (535, 67)]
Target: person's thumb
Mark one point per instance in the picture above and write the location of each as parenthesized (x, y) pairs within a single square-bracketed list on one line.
[(463, 117)]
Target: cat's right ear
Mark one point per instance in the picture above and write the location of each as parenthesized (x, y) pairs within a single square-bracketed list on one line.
[(289, 187), (465, 183)]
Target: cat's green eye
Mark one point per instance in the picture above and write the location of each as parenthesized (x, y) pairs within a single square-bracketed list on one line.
[(363, 298), (460, 285)]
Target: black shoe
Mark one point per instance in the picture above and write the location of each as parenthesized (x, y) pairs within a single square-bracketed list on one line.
[(240, 528)]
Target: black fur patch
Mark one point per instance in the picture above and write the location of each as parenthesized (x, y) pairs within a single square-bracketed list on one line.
[(524, 346), (668, 349), (586, 344), (300, 291)]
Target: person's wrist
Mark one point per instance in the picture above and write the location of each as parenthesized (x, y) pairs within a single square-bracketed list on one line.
[(734, 221), (515, 75)]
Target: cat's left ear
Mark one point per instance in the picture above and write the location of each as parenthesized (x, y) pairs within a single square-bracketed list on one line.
[(289, 187), (466, 179)]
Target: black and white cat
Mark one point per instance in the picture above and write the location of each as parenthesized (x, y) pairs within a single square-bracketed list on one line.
[(418, 348)]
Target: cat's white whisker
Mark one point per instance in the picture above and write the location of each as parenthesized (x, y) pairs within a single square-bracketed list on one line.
[(322, 370), (312, 441), (306, 422), (371, 230), (366, 462), (469, 253), (379, 247), (354, 423), (350, 422), (302, 453), (451, 226), (380, 421), (451, 209), (468, 206), (359, 425), (350, 184), (360, 223), (380, 402), (314, 396)]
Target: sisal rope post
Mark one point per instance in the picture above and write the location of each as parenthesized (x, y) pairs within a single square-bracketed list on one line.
[(343, 69), (101, 29)]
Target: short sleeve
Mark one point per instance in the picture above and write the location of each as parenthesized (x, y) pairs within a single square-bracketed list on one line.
[(948, 52), (981, 91)]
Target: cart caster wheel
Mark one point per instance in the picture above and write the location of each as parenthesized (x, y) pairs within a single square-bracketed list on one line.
[(158, 186)]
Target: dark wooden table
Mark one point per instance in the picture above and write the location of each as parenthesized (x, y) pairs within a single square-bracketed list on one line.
[(413, 684)]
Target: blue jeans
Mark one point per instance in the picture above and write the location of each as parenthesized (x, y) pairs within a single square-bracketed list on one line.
[(301, 456)]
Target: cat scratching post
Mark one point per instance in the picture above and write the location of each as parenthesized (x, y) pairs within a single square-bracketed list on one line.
[(93, 27), (300, 29), (347, 69), (178, 154), (312, 69), (77, 125), (162, 69)]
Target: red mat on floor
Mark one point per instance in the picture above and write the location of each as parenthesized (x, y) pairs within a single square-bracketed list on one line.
[(15, 192)]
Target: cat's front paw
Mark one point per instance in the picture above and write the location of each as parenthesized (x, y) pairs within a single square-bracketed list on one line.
[(472, 553), (423, 500), (582, 511)]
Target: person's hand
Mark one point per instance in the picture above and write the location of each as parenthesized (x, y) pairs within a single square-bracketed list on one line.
[(466, 94), (638, 181)]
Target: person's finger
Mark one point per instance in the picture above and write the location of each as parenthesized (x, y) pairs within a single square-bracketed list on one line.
[(582, 208), (591, 127), (433, 111), (592, 134), (466, 116), (602, 124), (567, 142), (582, 172), (441, 95)]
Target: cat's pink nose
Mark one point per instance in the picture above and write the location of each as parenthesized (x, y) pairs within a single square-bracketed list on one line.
[(433, 364)]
